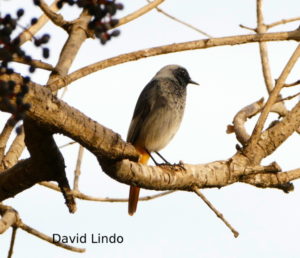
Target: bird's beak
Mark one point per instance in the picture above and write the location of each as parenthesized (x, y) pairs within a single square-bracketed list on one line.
[(193, 82)]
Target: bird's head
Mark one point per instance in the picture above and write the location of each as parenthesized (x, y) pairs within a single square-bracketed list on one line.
[(176, 72)]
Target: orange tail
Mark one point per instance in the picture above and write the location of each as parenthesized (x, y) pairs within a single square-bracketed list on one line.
[(134, 190), (133, 199)]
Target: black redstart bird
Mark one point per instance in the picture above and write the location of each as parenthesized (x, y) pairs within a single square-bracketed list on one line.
[(157, 116)]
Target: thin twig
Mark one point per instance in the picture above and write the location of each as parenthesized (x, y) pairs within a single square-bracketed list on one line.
[(56, 18), (42, 236), (35, 63), (11, 218), (15, 151), (85, 197), (147, 8), (289, 97), (4, 136), (264, 56), (31, 31), (180, 21), (219, 215), (64, 92), (273, 96), (292, 84), (67, 144), (283, 21), (77, 171), (247, 28), (12, 242)]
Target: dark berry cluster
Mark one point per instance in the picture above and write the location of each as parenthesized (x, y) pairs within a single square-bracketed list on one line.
[(9, 49), (102, 11), (12, 101)]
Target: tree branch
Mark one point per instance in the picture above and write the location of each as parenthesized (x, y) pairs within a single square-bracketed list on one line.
[(273, 137), (242, 116), (27, 34), (77, 35), (292, 84), (283, 21), (59, 117), (261, 28), (273, 96), (264, 56), (218, 214), (11, 219), (46, 157), (56, 18), (145, 9), (181, 22), (273, 180), (35, 63), (4, 136), (44, 237), (108, 147), (174, 177), (77, 171), (86, 197), (14, 152), (12, 242), (172, 48)]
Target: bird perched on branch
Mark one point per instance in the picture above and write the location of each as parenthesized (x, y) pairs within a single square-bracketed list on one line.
[(157, 116)]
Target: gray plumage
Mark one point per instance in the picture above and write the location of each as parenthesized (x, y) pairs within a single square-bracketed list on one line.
[(159, 109)]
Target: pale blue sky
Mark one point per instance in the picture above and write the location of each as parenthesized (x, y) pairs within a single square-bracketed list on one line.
[(179, 225)]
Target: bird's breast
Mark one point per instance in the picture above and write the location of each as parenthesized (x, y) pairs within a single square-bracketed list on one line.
[(161, 125)]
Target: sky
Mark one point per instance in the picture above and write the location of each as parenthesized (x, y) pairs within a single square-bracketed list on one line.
[(180, 224)]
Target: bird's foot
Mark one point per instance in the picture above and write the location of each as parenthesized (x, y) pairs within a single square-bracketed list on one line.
[(179, 165)]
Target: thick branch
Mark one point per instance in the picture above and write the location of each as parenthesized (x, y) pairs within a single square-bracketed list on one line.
[(108, 147), (172, 48), (19, 178), (273, 180), (46, 157), (274, 136), (168, 177), (59, 117)]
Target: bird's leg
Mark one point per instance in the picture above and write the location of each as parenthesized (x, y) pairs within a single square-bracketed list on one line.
[(180, 164), (155, 162), (166, 162)]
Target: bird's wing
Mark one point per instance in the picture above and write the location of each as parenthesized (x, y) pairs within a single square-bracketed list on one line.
[(144, 105)]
